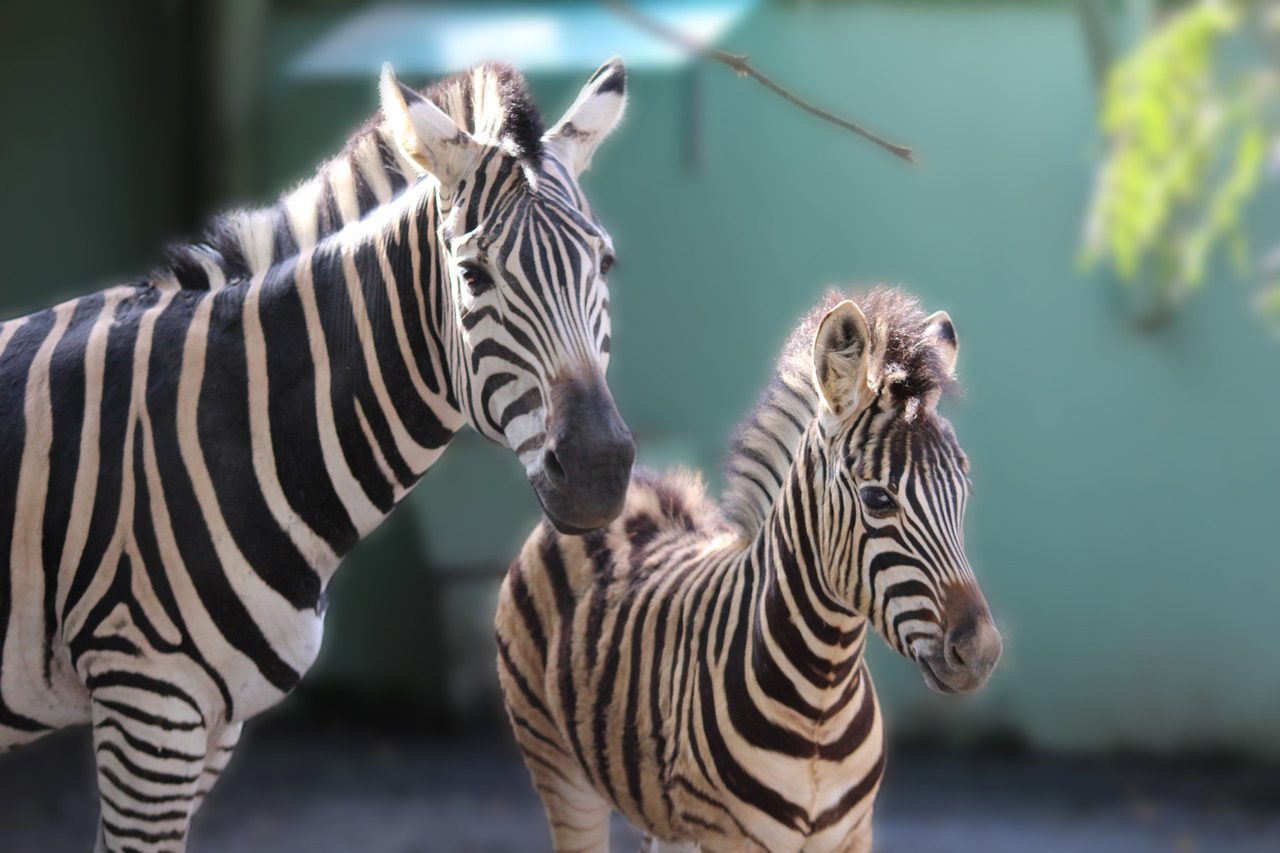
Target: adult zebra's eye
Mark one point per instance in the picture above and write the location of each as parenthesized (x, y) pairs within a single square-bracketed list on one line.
[(476, 277), (877, 500), (606, 264)]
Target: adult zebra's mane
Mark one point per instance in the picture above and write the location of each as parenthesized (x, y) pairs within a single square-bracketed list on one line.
[(764, 443), (491, 101)]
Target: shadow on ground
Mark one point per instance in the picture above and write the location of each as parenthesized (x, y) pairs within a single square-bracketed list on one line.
[(302, 787)]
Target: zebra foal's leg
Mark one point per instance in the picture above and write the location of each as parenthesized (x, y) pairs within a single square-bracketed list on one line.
[(652, 845), (151, 744), (577, 814), (859, 838), (579, 817)]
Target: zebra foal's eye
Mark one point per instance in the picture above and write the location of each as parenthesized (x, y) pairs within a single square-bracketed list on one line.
[(476, 277), (606, 264), (877, 500)]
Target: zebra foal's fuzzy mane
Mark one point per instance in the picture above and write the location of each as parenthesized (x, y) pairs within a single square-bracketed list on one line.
[(491, 101), (764, 443)]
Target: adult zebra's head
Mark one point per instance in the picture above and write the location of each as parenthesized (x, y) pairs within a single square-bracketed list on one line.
[(896, 486), (522, 272)]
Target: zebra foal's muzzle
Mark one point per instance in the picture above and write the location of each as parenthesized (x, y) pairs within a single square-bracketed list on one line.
[(970, 646), (582, 474)]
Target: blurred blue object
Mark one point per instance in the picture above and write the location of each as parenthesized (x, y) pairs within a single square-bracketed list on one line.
[(428, 40)]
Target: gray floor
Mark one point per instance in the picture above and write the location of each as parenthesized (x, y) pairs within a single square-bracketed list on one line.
[(320, 789)]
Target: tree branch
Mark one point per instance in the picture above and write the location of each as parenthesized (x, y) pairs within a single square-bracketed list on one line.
[(743, 68)]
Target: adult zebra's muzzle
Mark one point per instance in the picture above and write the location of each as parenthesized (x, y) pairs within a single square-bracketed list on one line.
[(582, 475)]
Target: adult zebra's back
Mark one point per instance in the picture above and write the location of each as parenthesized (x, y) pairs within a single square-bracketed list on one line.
[(184, 460), (702, 671)]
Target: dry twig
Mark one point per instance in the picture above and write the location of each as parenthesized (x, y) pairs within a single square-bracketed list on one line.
[(743, 68)]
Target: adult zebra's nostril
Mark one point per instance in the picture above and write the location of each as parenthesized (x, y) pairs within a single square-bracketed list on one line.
[(552, 466), (954, 657), (582, 473)]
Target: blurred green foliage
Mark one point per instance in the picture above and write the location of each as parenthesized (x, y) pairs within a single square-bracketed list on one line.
[(1187, 118)]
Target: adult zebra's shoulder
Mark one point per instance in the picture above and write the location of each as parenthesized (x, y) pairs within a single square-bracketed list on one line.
[(700, 668), (185, 460)]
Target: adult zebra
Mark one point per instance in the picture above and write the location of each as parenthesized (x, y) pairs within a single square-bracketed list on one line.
[(186, 459), (705, 677)]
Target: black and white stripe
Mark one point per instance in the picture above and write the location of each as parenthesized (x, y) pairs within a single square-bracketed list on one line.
[(185, 460), (703, 672)]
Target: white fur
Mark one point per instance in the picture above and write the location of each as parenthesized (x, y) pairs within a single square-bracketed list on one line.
[(427, 136), (591, 118)]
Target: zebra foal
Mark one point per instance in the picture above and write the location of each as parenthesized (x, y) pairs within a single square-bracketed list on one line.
[(700, 669), (184, 460)]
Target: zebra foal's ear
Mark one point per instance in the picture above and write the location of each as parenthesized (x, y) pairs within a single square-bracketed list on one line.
[(942, 332), (425, 133), (840, 356), (593, 116)]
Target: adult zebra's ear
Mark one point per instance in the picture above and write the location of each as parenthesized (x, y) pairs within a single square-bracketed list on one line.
[(425, 133), (841, 352), (942, 332), (593, 116)]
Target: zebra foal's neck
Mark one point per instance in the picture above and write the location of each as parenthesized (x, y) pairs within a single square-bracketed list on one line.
[(810, 631)]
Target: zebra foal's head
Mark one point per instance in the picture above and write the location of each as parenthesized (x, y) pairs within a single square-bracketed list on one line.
[(896, 485), (523, 265)]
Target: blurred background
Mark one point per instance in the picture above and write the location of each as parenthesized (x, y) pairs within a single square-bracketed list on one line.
[(1097, 205)]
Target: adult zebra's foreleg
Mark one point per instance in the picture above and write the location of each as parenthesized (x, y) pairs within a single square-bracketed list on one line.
[(221, 745), (151, 745)]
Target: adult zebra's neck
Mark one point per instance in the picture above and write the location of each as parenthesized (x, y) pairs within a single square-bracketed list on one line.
[(354, 369)]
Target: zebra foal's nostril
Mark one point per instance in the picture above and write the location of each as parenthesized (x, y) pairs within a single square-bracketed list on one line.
[(971, 642), (961, 639)]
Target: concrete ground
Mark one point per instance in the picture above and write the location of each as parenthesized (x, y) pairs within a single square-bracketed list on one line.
[(293, 789)]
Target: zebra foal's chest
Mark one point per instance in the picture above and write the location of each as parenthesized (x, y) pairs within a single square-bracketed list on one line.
[(768, 799)]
